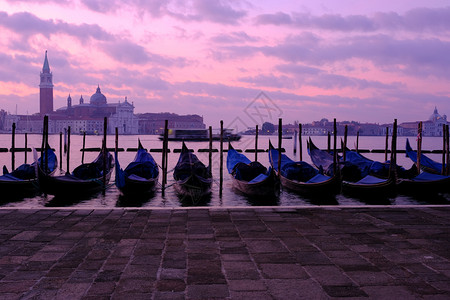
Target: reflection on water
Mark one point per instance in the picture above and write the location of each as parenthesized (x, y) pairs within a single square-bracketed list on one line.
[(112, 197)]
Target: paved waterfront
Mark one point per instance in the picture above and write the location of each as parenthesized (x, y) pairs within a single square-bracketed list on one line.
[(237, 253)]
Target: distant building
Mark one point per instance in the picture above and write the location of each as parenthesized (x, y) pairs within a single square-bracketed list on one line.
[(83, 117), (46, 89), (431, 127), (153, 123)]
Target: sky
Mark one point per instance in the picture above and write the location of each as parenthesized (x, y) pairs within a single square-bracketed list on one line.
[(244, 62)]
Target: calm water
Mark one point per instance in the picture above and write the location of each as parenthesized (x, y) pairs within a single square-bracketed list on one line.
[(229, 197)]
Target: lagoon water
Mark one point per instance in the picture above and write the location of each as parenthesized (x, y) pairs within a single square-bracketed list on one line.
[(229, 197)]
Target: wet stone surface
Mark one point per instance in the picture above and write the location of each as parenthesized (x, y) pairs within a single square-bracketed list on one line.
[(236, 253)]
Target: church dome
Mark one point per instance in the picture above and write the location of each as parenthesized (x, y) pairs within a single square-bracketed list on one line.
[(98, 98)]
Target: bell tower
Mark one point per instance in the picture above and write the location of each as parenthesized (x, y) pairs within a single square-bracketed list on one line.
[(46, 89)]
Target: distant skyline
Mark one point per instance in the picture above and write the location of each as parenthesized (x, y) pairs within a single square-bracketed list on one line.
[(367, 61)]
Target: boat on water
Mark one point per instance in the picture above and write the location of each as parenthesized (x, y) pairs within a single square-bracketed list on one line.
[(23, 182), (199, 135), (140, 177), (302, 178), (428, 181), (251, 178), (192, 178), (86, 179), (360, 176), (426, 164)]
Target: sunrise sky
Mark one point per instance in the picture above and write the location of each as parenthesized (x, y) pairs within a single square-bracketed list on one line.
[(369, 61)]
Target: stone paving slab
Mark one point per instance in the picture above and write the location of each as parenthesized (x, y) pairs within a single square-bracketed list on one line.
[(226, 253)]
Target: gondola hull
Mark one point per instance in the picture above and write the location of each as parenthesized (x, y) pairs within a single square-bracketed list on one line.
[(327, 188), (70, 186), (384, 189), (193, 187), (425, 187), (192, 178), (23, 182), (137, 187), (16, 189), (267, 188), (140, 177)]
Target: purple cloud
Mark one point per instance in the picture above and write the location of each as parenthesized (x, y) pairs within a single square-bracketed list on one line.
[(28, 24), (421, 57), (269, 81), (220, 11), (418, 19), (278, 18), (233, 37)]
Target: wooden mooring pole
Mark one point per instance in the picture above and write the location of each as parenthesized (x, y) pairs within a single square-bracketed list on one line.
[(300, 147), (335, 160), (44, 158), (444, 146), (68, 151), (295, 141), (60, 150), (280, 137), (256, 144), (84, 147), (345, 143), (116, 144), (210, 149), (26, 146), (419, 145), (221, 160), (386, 145), (13, 147), (357, 141), (447, 151), (393, 164), (163, 162), (105, 152)]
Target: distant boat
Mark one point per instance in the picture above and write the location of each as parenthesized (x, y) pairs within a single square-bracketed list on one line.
[(199, 135)]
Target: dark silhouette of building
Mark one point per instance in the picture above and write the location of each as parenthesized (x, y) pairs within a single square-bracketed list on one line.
[(46, 89)]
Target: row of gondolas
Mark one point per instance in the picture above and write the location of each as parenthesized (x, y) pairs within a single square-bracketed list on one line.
[(351, 174)]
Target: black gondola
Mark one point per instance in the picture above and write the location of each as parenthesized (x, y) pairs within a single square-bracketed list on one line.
[(86, 179), (192, 178), (23, 181), (251, 178), (140, 177), (302, 178)]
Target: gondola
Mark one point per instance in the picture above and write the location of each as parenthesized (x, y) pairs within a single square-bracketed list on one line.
[(426, 164), (251, 178), (320, 158), (356, 166), (361, 177), (192, 178), (140, 177), (370, 187), (302, 178), (425, 182), (23, 182), (85, 180)]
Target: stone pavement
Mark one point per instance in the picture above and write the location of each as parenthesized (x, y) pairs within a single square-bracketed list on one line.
[(236, 253)]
